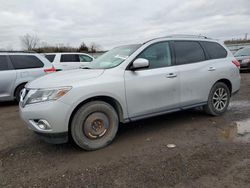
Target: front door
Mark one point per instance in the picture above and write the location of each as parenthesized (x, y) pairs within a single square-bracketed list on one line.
[(155, 89)]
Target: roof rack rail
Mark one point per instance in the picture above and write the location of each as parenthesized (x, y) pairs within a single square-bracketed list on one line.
[(179, 36), (15, 51), (187, 36)]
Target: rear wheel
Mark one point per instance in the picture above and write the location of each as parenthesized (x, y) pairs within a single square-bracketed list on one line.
[(17, 93), (218, 99), (94, 125)]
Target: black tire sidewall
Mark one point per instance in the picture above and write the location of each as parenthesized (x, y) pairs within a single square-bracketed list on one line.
[(210, 105), (78, 121), (17, 92)]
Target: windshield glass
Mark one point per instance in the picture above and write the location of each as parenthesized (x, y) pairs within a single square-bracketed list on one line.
[(243, 52), (113, 57)]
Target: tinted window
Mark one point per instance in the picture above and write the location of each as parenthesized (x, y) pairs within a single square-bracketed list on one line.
[(84, 58), (158, 55), (25, 61), (188, 52), (214, 50), (50, 57), (70, 58), (3, 63)]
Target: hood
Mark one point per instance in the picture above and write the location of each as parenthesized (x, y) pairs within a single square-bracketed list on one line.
[(64, 78), (239, 58)]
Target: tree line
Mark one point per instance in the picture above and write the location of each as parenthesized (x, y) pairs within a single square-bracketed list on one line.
[(32, 43)]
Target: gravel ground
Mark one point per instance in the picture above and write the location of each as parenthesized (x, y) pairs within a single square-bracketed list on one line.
[(209, 152)]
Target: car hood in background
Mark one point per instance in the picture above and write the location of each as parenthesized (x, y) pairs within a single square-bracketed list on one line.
[(64, 78), (240, 58)]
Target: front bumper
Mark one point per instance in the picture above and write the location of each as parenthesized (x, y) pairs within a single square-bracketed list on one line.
[(56, 113), (54, 138)]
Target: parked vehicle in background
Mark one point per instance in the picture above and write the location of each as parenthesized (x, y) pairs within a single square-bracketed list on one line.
[(243, 56), (69, 61), (18, 68), (129, 83)]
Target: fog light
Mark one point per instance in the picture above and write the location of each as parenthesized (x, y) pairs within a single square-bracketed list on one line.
[(43, 124)]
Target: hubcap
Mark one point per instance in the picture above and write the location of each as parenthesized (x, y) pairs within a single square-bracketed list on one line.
[(96, 125), (220, 99)]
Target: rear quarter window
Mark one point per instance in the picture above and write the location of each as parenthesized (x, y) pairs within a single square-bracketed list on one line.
[(50, 57), (188, 52), (214, 50), (4, 65), (25, 61)]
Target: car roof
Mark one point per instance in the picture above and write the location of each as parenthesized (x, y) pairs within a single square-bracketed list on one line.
[(54, 53), (5, 52)]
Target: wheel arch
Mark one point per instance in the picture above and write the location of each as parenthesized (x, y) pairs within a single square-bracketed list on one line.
[(227, 82), (110, 100), (22, 83)]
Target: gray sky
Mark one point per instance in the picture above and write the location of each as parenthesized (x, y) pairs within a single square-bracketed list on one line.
[(115, 22)]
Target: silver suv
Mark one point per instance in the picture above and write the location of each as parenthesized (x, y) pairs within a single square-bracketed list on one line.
[(18, 68), (129, 83)]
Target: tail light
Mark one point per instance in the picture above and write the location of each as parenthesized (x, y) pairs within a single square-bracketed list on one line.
[(236, 63), (50, 70)]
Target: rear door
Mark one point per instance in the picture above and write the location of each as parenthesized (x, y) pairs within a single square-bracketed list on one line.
[(153, 90), (7, 78), (28, 67), (70, 61), (196, 74)]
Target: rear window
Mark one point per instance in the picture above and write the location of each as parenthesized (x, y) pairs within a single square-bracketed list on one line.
[(70, 58), (3, 63), (50, 57), (188, 52), (214, 50), (25, 61)]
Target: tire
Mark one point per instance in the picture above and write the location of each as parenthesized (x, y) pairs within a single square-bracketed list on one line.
[(17, 93), (218, 100), (94, 125)]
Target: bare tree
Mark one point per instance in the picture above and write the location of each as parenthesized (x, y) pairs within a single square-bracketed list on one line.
[(29, 42), (93, 47)]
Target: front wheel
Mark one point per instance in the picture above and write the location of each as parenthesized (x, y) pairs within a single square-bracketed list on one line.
[(218, 99), (94, 125)]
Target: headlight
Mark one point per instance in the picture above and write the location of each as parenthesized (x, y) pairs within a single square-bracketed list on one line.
[(42, 95)]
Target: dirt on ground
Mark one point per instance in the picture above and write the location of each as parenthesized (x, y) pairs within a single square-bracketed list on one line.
[(209, 152)]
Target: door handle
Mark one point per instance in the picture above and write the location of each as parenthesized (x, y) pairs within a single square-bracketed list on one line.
[(211, 69), (171, 75)]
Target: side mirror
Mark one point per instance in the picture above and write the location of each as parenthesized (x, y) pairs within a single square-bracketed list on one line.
[(139, 64)]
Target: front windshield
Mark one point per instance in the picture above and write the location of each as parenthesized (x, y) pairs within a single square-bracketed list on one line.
[(113, 57), (243, 52)]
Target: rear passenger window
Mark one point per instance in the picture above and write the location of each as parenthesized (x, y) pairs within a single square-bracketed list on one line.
[(3, 63), (25, 61), (188, 52), (70, 58), (158, 55), (50, 57), (214, 50)]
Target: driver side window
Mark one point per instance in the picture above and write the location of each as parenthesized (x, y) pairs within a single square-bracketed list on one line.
[(158, 55)]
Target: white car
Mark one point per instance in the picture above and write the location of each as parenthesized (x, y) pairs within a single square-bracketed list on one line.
[(69, 60)]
